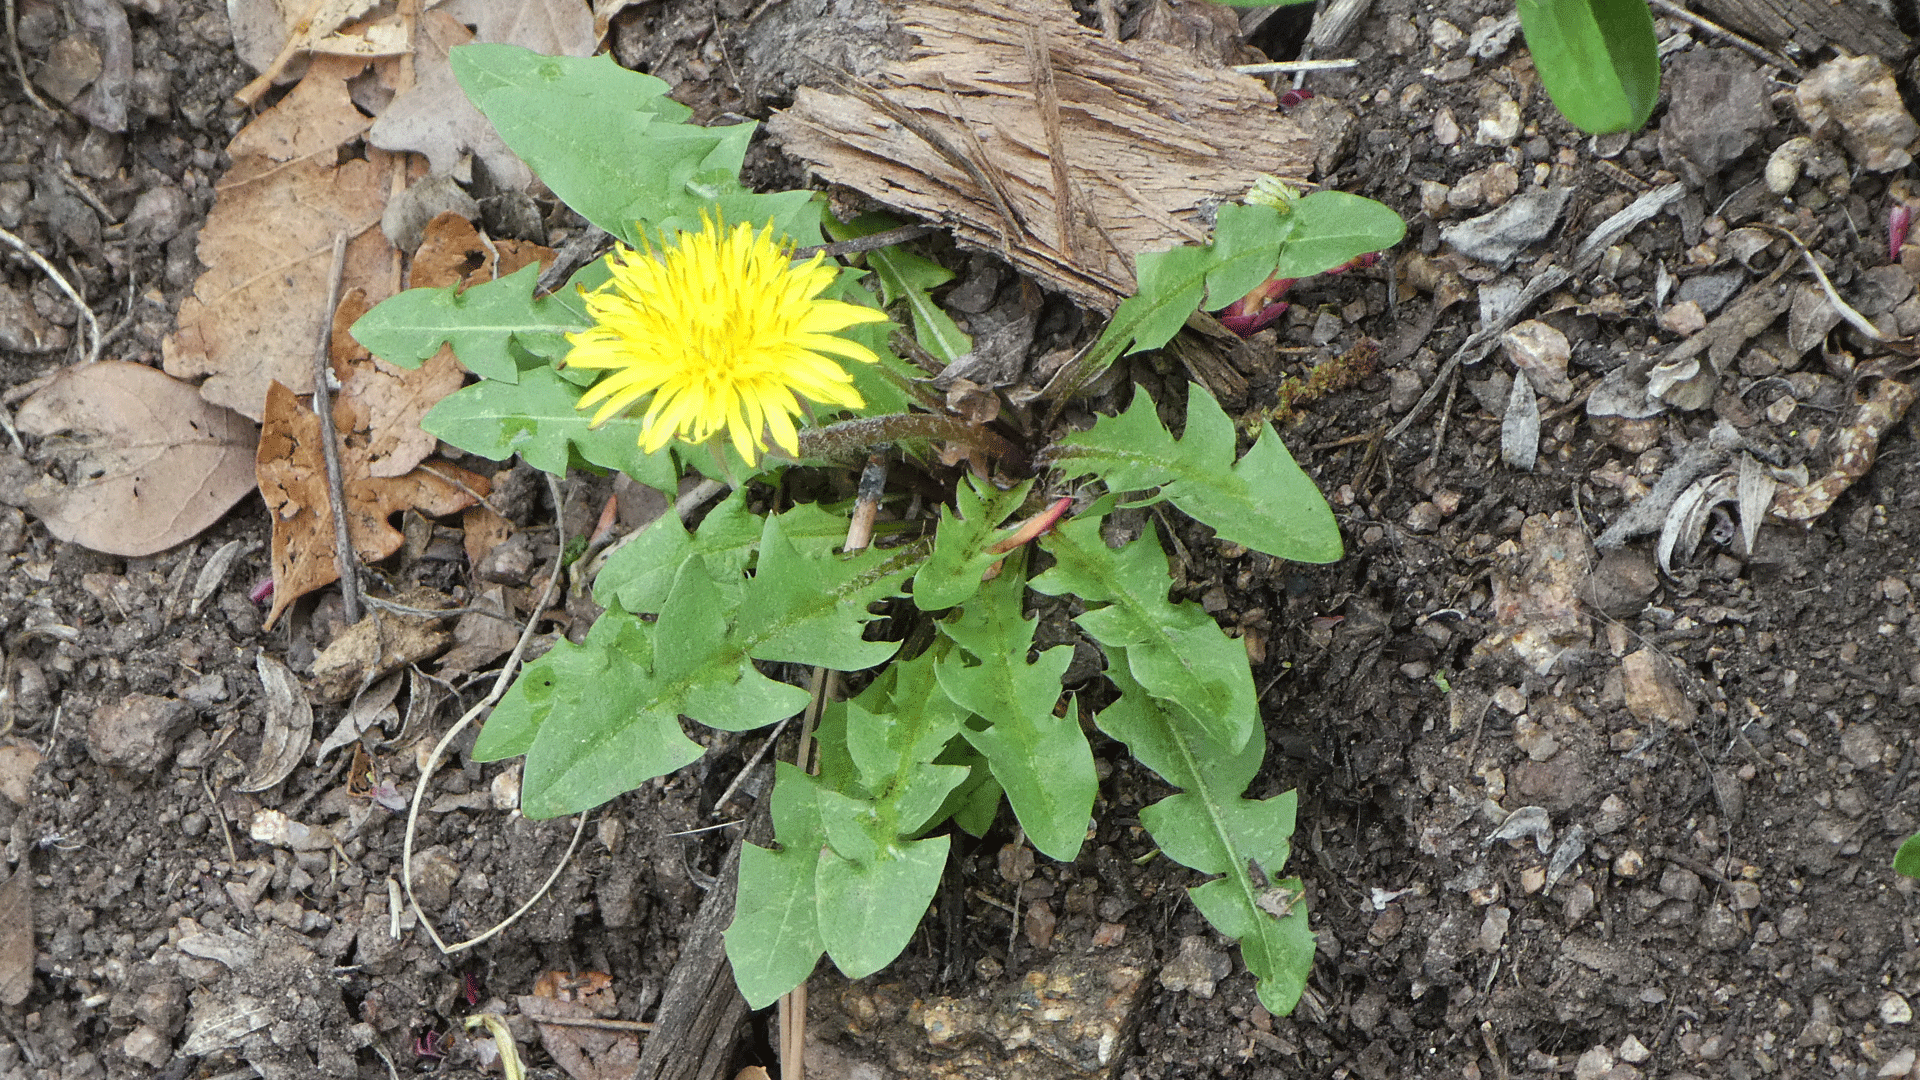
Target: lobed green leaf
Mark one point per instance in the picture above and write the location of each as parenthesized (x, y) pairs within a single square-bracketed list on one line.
[(774, 940), (639, 575), (615, 148), (537, 419), (1264, 500), (1041, 760), (952, 573), (1176, 651), (1333, 228), (482, 324), (1212, 828)]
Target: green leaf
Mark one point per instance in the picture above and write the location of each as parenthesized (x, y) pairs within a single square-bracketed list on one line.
[(1042, 760), (960, 555), (1907, 860), (1264, 500), (537, 420), (1176, 651), (1333, 228), (811, 608), (638, 576), (480, 323), (902, 721), (1246, 248), (976, 802), (1210, 827), (906, 276), (1320, 232), (692, 662), (869, 911), (615, 148), (774, 941), (1598, 59), (566, 693), (695, 661)]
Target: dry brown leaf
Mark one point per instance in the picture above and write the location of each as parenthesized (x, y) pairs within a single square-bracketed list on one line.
[(282, 30), (379, 408), (16, 936), (293, 478), (436, 119), (148, 462), (380, 405), (254, 316), (585, 1053), (17, 764), (482, 530), (1146, 134), (381, 643), (452, 252), (289, 726)]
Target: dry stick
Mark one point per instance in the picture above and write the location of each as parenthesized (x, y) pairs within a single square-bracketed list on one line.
[(1758, 52), (433, 761), (19, 64), (1475, 348), (343, 554), (683, 508), (593, 1022), (39, 260), (1279, 67)]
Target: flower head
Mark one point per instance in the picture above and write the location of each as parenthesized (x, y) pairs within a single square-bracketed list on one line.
[(726, 332)]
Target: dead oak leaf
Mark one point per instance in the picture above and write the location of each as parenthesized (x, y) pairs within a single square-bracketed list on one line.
[(435, 118), (254, 316), (147, 462), (292, 475), (380, 405)]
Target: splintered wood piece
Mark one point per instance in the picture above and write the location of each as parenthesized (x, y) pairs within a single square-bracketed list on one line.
[(1001, 104)]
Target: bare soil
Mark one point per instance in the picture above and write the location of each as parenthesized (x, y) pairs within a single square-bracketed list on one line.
[(1721, 904)]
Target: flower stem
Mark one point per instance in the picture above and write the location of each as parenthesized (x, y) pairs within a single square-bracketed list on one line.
[(851, 436)]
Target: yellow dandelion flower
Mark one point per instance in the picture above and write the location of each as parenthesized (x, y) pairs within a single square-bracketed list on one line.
[(726, 332)]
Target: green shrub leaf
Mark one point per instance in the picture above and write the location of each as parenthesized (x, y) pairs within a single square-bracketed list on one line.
[(1210, 827), (1042, 760), (1264, 500), (960, 555), (774, 941), (1907, 860), (1174, 650), (481, 323), (536, 419), (615, 148), (1598, 59), (1331, 229)]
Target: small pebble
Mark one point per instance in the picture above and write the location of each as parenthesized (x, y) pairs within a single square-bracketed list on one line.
[(1633, 1051), (1894, 1010), (1629, 864), (1446, 130), (1499, 125)]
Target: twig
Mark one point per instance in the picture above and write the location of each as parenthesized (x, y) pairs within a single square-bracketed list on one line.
[(592, 1022), (19, 64), (343, 554), (433, 760), (39, 260), (1286, 66), (86, 194), (1758, 52), (1845, 310)]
